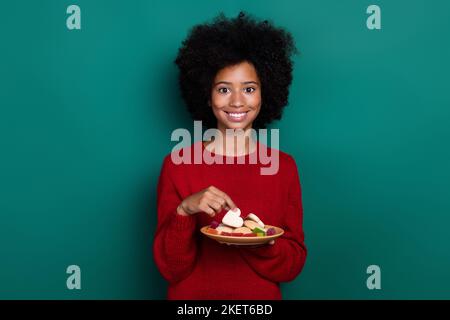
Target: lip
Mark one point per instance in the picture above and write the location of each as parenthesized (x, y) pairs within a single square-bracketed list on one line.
[(234, 118)]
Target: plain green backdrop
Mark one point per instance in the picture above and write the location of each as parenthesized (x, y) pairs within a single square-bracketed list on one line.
[(86, 117)]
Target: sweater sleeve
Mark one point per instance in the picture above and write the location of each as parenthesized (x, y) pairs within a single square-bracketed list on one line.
[(174, 245), (284, 260)]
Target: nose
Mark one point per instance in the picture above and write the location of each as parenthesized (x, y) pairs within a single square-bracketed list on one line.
[(237, 100)]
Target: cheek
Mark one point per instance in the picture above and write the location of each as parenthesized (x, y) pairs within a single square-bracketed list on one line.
[(218, 101), (255, 101)]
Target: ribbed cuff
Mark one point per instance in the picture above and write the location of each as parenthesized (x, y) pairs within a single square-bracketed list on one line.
[(180, 222)]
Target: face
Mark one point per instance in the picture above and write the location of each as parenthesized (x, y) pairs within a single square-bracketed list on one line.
[(236, 96)]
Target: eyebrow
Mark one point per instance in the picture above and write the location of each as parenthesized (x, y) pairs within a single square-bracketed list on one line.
[(245, 82)]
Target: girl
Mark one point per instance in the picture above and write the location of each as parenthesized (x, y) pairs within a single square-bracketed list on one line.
[(234, 74)]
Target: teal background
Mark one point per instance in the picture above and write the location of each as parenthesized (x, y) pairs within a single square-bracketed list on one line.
[(86, 118)]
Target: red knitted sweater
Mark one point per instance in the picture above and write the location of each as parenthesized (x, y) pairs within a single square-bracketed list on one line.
[(197, 267)]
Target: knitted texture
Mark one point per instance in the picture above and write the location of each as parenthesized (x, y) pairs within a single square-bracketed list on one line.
[(197, 267)]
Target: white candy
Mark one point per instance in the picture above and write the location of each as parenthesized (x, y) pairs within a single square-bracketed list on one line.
[(255, 218), (233, 218)]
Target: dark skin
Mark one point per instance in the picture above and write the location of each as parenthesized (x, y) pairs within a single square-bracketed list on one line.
[(235, 102), (236, 90)]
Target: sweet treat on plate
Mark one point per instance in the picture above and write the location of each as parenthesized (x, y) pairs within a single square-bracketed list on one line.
[(259, 231), (254, 217), (233, 225), (212, 231), (214, 224), (251, 224), (233, 218), (224, 228), (243, 230)]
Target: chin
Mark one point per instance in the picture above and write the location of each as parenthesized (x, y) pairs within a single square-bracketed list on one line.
[(232, 125)]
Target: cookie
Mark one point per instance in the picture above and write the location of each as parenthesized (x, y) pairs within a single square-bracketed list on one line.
[(223, 228), (254, 217), (243, 230), (251, 224)]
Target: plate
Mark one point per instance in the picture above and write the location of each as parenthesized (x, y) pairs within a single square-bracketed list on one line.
[(243, 241)]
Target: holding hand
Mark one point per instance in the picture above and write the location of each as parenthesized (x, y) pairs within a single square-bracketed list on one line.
[(210, 200)]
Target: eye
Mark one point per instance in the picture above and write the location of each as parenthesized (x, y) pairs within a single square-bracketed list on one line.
[(249, 90), (223, 90)]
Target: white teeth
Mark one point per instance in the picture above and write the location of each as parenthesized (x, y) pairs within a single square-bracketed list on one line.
[(237, 115)]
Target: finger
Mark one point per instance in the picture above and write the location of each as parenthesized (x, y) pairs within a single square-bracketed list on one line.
[(216, 206), (205, 208), (223, 195), (217, 200), (272, 242), (216, 195)]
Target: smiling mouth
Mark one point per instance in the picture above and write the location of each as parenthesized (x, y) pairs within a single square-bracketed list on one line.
[(236, 116)]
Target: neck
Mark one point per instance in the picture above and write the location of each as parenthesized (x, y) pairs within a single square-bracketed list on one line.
[(232, 143)]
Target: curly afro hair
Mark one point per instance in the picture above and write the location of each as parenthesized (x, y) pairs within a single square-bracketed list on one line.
[(212, 46)]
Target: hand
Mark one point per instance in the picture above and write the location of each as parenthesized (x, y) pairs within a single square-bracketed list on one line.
[(210, 200)]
